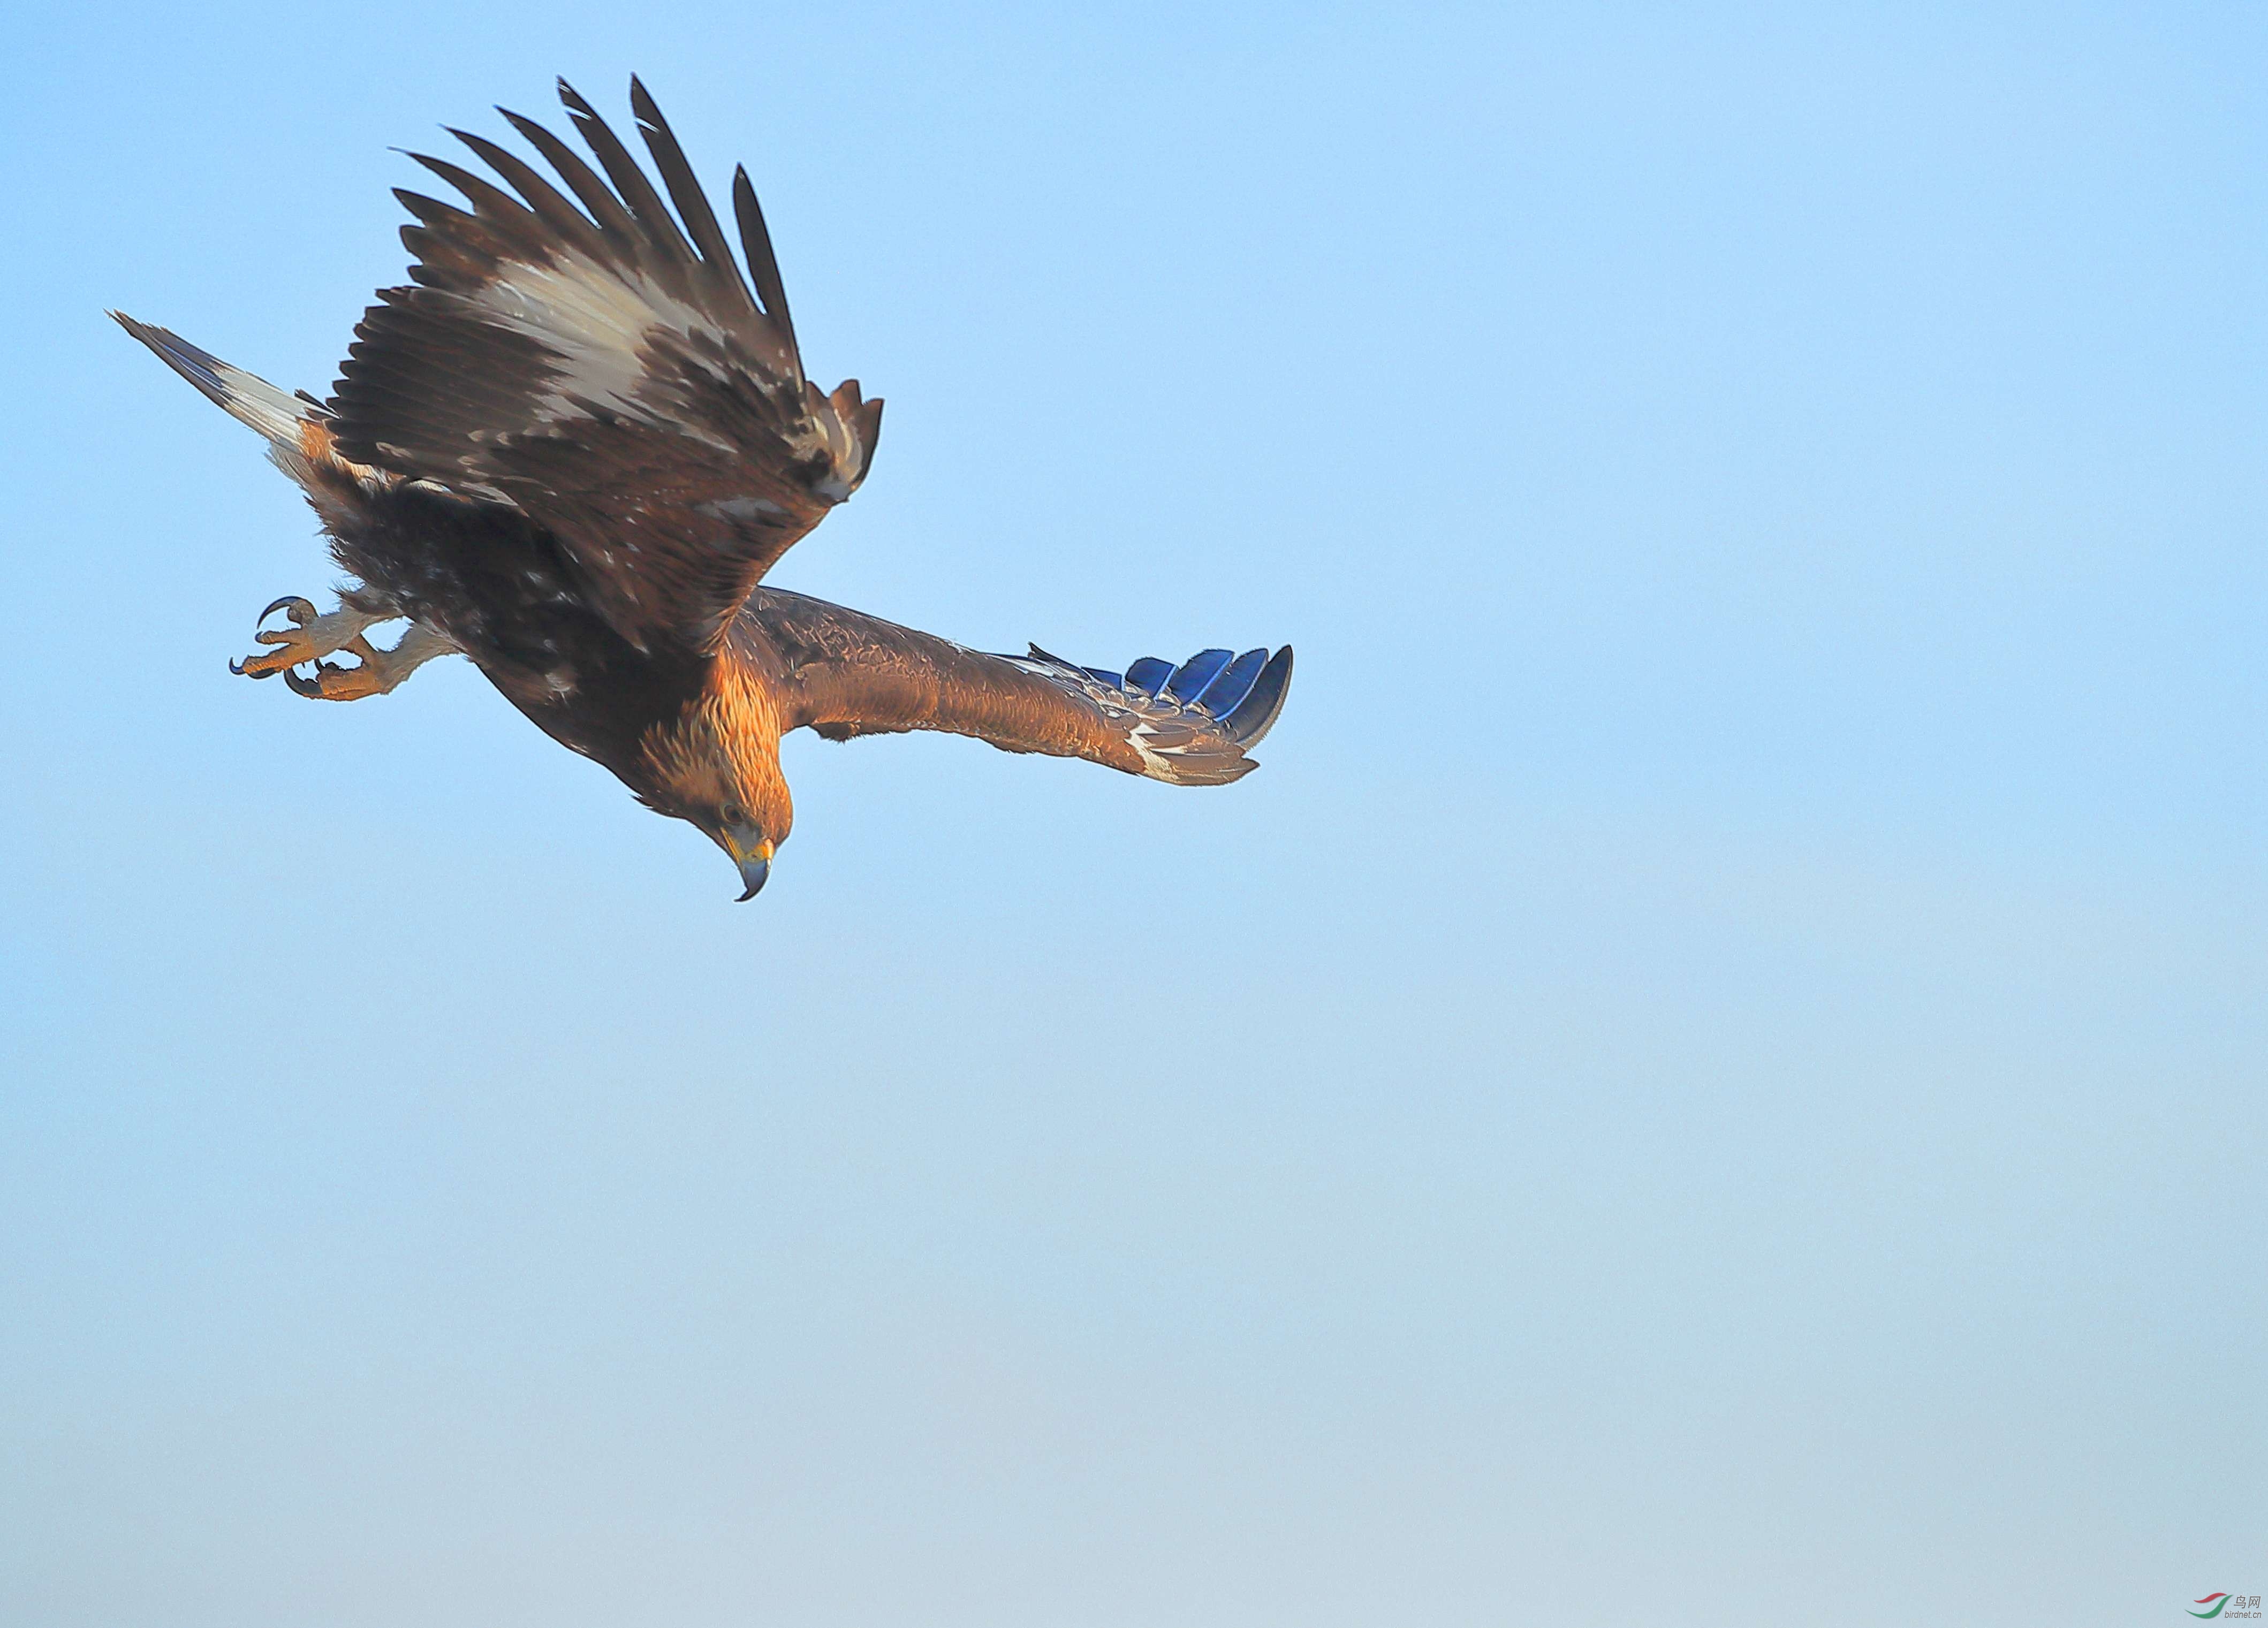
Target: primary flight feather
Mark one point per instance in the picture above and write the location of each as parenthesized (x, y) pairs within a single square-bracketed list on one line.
[(570, 448)]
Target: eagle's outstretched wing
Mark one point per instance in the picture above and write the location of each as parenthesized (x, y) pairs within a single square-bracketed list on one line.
[(617, 382), (854, 674)]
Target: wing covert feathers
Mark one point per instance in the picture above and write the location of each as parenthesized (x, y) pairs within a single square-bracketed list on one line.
[(576, 349)]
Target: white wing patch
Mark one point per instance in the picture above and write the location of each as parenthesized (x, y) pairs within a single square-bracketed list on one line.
[(597, 319), (593, 317)]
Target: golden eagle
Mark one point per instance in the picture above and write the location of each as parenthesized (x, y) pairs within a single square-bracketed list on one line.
[(571, 449)]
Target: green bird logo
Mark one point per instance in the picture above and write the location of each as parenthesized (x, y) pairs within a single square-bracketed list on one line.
[(2216, 1601)]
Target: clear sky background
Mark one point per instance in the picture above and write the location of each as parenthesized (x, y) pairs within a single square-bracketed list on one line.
[(1714, 1077)]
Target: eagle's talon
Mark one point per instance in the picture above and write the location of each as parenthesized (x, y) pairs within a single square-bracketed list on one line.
[(309, 638)]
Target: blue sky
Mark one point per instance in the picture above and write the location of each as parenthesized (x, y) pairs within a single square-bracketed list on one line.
[(1715, 1073)]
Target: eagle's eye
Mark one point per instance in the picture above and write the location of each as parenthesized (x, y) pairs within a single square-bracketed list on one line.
[(733, 813)]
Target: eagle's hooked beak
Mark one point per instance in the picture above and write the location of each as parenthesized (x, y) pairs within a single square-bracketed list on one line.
[(754, 855)]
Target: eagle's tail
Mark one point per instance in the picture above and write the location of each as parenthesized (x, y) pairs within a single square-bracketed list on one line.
[(243, 396)]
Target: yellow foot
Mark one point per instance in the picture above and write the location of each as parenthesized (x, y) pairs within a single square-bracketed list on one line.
[(310, 637), (307, 641)]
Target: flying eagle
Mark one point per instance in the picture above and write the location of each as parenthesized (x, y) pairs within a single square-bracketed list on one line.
[(571, 449)]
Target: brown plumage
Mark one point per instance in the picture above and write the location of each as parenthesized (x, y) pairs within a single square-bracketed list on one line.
[(570, 448)]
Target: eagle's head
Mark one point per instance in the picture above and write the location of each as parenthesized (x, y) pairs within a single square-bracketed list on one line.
[(716, 765)]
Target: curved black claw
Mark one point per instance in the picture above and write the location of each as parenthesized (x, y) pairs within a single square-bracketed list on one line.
[(311, 688), (301, 611)]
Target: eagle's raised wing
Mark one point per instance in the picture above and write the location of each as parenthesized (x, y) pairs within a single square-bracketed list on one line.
[(854, 674), (617, 382)]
